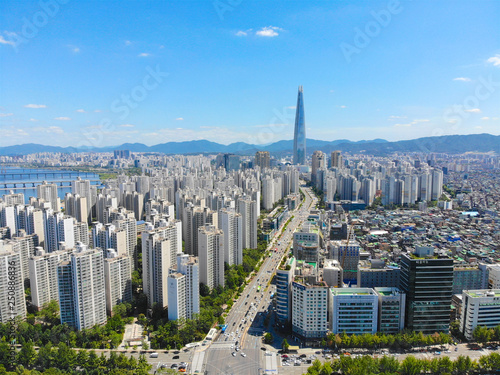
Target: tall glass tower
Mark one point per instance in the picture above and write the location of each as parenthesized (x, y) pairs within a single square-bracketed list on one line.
[(299, 138)]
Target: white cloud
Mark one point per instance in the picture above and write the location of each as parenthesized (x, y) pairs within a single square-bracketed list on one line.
[(343, 106), (179, 119), (80, 110), (179, 128), (241, 33), (127, 126), (473, 110), (8, 42), (463, 79), (49, 129), (414, 122), (33, 120), (269, 31), (128, 42), (35, 106), (485, 118), (75, 49), (396, 117), (5, 114), (62, 118), (495, 60), (144, 54), (291, 107), (478, 127), (97, 111)]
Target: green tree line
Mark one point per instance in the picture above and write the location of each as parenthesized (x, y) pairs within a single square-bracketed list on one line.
[(367, 365), (60, 359), (403, 340)]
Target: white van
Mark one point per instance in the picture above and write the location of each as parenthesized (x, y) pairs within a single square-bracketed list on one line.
[(153, 355)]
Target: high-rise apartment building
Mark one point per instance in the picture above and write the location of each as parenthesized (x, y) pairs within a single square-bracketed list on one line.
[(211, 256), (82, 296), (117, 279), (184, 288), (231, 224), (160, 247), (247, 208), (336, 159), (262, 159), (43, 275), (299, 138), (48, 192), (11, 284)]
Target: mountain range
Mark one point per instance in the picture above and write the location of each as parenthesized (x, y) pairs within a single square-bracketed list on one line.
[(445, 143)]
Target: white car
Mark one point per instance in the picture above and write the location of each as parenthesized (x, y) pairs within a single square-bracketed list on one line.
[(234, 354), (243, 354)]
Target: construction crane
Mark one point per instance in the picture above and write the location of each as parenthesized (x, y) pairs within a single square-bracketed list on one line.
[(349, 233)]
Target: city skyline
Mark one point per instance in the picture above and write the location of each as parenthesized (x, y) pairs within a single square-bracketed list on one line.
[(196, 70)]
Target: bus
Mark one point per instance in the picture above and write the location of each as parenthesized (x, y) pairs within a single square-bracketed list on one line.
[(223, 328), (258, 288)]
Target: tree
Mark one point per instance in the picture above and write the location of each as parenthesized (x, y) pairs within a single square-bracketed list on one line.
[(27, 355), (388, 364), (463, 365), (285, 345), (411, 366), (268, 338)]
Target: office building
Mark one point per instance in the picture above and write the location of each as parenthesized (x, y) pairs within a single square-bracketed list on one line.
[(306, 243), (391, 310), (347, 254), (353, 310), (284, 278), (479, 308), (375, 273), (427, 281), (299, 138), (309, 305), (333, 275)]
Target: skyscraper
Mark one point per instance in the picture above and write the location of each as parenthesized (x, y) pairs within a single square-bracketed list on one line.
[(427, 280), (299, 138)]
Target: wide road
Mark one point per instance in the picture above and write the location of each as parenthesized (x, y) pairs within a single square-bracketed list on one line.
[(239, 350)]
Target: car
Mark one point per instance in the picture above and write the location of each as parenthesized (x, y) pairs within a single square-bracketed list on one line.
[(456, 349), (175, 357), (437, 353), (243, 354), (303, 356), (234, 354), (174, 365)]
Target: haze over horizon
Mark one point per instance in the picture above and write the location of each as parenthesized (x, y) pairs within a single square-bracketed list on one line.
[(102, 74)]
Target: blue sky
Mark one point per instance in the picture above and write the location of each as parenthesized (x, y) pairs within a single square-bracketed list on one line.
[(100, 73)]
